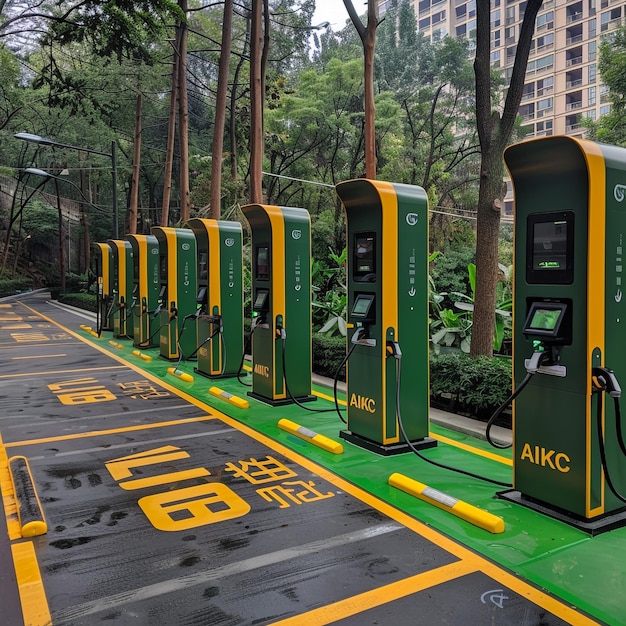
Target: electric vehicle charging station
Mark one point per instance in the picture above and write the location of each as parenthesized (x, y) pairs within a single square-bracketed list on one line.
[(123, 302), (387, 239), (146, 283), (103, 260), (220, 296), (569, 317), (177, 306), (281, 303)]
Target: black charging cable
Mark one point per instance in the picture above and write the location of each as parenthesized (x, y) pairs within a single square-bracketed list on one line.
[(604, 381), (396, 353), (531, 369), (283, 338)]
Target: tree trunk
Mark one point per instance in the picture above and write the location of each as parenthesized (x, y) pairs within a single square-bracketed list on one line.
[(134, 188), (183, 121), (256, 105), (494, 132), (171, 134), (368, 40), (220, 112)]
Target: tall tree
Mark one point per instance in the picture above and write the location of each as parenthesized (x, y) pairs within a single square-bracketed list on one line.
[(367, 35), (220, 111), (494, 132), (257, 97)]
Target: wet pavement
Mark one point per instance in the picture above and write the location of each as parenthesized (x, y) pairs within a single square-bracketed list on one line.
[(163, 510)]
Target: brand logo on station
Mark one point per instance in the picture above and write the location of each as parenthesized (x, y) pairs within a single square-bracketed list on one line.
[(551, 459), (262, 370), (363, 402), (186, 246), (412, 219), (619, 192), (229, 242), (296, 234)]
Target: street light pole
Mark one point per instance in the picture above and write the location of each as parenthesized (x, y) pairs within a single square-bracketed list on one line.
[(42, 141)]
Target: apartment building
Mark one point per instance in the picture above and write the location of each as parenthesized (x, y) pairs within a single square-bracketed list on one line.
[(562, 81)]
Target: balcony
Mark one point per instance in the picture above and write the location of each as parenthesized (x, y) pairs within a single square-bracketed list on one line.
[(574, 61), (571, 106), (573, 83), (574, 39), (574, 17)]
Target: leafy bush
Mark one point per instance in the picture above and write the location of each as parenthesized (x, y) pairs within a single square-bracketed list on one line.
[(86, 301), (328, 352), (11, 286), (475, 387)]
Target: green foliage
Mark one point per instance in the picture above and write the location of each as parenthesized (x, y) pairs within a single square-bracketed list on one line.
[(328, 352), (12, 286), (330, 293), (86, 301), (476, 387)]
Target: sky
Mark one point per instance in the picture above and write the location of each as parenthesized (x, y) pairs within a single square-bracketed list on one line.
[(332, 11)]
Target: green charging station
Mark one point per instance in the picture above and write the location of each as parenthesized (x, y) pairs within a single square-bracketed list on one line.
[(570, 221), (387, 240), (121, 313), (220, 296), (281, 303), (177, 310), (146, 286), (103, 262)]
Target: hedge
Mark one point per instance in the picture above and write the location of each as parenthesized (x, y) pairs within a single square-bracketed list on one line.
[(11, 286), (85, 301)]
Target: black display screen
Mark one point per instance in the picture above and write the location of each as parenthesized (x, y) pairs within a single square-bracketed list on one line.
[(163, 268), (550, 248), (364, 257), (263, 263), (202, 265)]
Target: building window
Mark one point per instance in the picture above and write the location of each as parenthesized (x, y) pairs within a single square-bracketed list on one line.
[(495, 38), (461, 30), (461, 12), (591, 96), (438, 17), (591, 25), (494, 57), (592, 73), (593, 51), (591, 114), (496, 19), (545, 21), (509, 34), (510, 15), (604, 110)]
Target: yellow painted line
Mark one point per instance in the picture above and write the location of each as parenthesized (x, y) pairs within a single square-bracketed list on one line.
[(164, 479), (330, 398), (463, 446), (556, 607), (111, 431), (33, 599), (39, 356), (459, 508), (380, 596), (83, 369)]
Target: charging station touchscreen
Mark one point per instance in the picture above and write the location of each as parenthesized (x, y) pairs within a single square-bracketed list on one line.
[(545, 319), (364, 257), (551, 248), (261, 300), (363, 309)]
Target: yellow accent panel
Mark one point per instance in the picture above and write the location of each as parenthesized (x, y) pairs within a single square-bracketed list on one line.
[(30, 585), (595, 290), (389, 286), (106, 269), (468, 512), (277, 223), (321, 441)]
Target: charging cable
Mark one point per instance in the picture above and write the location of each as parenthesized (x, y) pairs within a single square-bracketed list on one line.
[(393, 350), (532, 367), (604, 381)]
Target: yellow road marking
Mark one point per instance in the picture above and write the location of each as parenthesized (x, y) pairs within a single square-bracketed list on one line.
[(463, 446), (111, 431), (479, 563), (32, 594), (382, 595)]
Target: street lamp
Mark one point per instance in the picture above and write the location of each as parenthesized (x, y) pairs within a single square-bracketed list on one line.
[(42, 141)]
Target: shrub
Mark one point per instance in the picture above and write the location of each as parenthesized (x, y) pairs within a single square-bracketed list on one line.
[(11, 286), (86, 301), (474, 387), (328, 352)]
